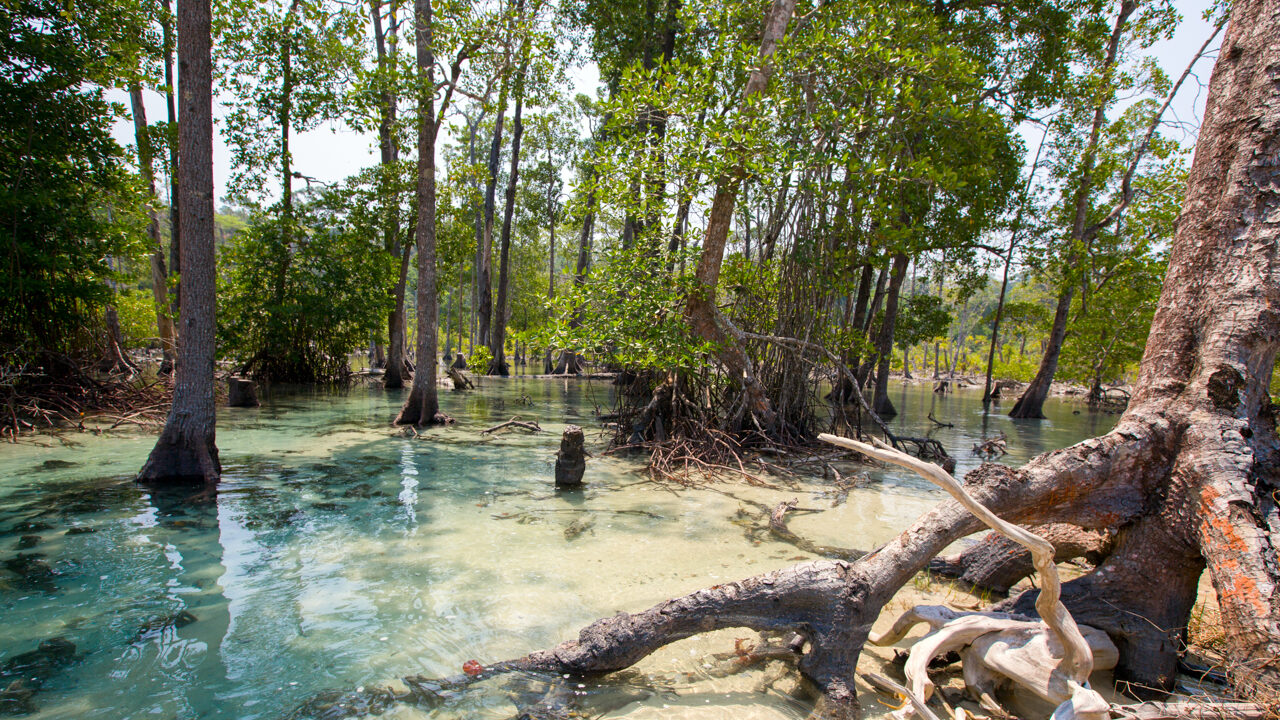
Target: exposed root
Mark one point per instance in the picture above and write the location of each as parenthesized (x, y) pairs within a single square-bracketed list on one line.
[(60, 393)]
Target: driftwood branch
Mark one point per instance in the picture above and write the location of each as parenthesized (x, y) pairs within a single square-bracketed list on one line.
[(531, 425), (1070, 691)]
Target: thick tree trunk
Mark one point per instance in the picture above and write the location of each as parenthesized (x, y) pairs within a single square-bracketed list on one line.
[(998, 563), (498, 334), (884, 344), (700, 309), (1209, 499), (186, 450), (422, 407), (159, 278), (1189, 477)]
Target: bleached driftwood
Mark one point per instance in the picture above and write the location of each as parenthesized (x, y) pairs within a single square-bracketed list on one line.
[(1051, 657)]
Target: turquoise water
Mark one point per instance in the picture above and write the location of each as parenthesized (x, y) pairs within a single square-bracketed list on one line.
[(341, 553)]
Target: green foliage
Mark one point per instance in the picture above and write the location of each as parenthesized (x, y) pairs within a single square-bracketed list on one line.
[(920, 319), (1112, 315), (66, 202), (1015, 367), (293, 312), (480, 359), (321, 42), (137, 311), (631, 317)]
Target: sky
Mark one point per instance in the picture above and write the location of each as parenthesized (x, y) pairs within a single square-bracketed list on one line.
[(333, 152)]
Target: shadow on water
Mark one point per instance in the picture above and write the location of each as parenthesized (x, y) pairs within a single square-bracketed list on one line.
[(341, 553)]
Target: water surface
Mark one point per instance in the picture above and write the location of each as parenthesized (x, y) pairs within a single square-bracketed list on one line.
[(341, 553)]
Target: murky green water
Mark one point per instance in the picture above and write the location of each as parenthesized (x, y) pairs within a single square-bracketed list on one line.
[(339, 553)]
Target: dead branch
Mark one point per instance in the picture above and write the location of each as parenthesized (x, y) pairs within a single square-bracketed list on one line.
[(1059, 674), (531, 425)]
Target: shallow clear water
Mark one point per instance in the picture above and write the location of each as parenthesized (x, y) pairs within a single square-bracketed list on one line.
[(340, 553)]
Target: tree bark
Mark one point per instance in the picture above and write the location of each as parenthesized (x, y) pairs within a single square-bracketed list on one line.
[(186, 451), (498, 333), (159, 278), (884, 344), (389, 156), (1031, 403), (700, 309), (1189, 477), (171, 83), (997, 563), (1004, 278), (422, 407), (484, 310)]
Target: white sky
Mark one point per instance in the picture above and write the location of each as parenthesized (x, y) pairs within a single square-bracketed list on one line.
[(333, 152)]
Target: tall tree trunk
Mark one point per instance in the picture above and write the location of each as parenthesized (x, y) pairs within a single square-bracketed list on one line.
[(458, 322), (1031, 404), (171, 85), (570, 363), (389, 157), (884, 344), (484, 309), (473, 128), (1004, 278), (186, 451), (498, 333), (159, 278), (552, 205), (286, 122), (448, 330), (422, 407), (700, 309), (1190, 475)]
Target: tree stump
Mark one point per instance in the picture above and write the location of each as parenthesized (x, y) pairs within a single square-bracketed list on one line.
[(571, 460), (460, 381), (242, 392)]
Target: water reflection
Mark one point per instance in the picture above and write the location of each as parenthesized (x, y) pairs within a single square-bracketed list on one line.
[(339, 553)]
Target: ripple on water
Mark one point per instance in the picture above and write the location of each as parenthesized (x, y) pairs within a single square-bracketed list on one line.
[(340, 554)]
